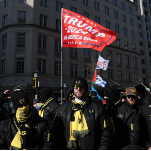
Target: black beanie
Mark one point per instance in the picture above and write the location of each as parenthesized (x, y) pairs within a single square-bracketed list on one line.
[(45, 94), (80, 80), (112, 92), (19, 98)]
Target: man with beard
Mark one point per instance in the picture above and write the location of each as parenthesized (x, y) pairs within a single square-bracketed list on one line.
[(25, 130), (126, 120), (80, 123)]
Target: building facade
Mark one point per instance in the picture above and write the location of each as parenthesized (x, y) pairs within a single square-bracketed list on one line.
[(30, 41)]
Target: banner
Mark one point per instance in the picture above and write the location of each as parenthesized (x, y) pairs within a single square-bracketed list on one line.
[(98, 80), (102, 63), (80, 32)]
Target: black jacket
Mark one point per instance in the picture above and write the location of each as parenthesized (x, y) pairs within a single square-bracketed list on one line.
[(100, 136), (127, 126), (49, 110), (38, 132), (145, 113)]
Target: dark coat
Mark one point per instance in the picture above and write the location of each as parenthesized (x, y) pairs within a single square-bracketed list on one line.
[(49, 111), (38, 132), (145, 113), (127, 126), (100, 136)]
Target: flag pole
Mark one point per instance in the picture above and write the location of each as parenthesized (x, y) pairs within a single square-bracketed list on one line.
[(61, 55)]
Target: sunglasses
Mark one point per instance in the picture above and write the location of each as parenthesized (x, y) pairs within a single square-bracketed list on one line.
[(81, 86), (131, 96)]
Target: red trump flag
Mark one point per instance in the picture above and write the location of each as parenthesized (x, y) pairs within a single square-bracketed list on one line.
[(81, 32)]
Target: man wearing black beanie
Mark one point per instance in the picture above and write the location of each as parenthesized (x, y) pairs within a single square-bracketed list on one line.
[(25, 130), (80, 123)]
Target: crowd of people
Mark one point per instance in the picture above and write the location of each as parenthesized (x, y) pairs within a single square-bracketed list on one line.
[(122, 121)]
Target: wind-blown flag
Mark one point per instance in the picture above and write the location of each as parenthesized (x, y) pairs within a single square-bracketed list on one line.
[(92, 89), (98, 80), (102, 63), (80, 32)]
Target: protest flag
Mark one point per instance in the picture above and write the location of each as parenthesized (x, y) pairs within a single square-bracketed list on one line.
[(80, 32), (98, 80), (102, 63)]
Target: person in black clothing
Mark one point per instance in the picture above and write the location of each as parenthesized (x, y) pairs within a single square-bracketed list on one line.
[(4, 96), (145, 112), (68, 95), (25, 130), (48, 106), (126, 120), (80, 123)]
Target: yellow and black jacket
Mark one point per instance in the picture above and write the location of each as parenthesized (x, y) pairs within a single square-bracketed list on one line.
[(38, 136), (92, 132)]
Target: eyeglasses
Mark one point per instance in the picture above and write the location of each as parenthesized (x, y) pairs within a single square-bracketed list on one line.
[(131, 96), (81, 86)]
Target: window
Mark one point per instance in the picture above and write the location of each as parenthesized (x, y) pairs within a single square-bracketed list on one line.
[(126, 45), (106, 11), (97, 20), (58, 24), (135, 62), (43, 3), (73, 9), (128, 76), (21, 17), (146, 20), (5, 18), (85, 2), (108, 24), (148, 28), (130, 10), (109, 57), (110, 74), (143, 71), (127, 61), (135, 1), (22, 1), (145, 5), (4, 46), (42, 44), (143, 61), (119, 75), (86, 54), (118, 59), (3, 67), (59, 5), (86, 14), (57, 68), (86, 72), (6, 3), (133, 34), (73, 53), (43, 20), (21, 42), (131, 22), (117, 42), (134, 47), (141, 43), (117, 28), (41, 66), (148, 36), (97, 6), (123, 6), (57, 47), (73, 70), (139, 26), (124, 18), (115, 2), (138, 17), (20, 65), (115, 15), (125, 31)]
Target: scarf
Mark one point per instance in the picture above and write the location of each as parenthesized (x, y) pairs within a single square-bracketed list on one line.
[(41, 111), (21, 139), (78, 125)]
